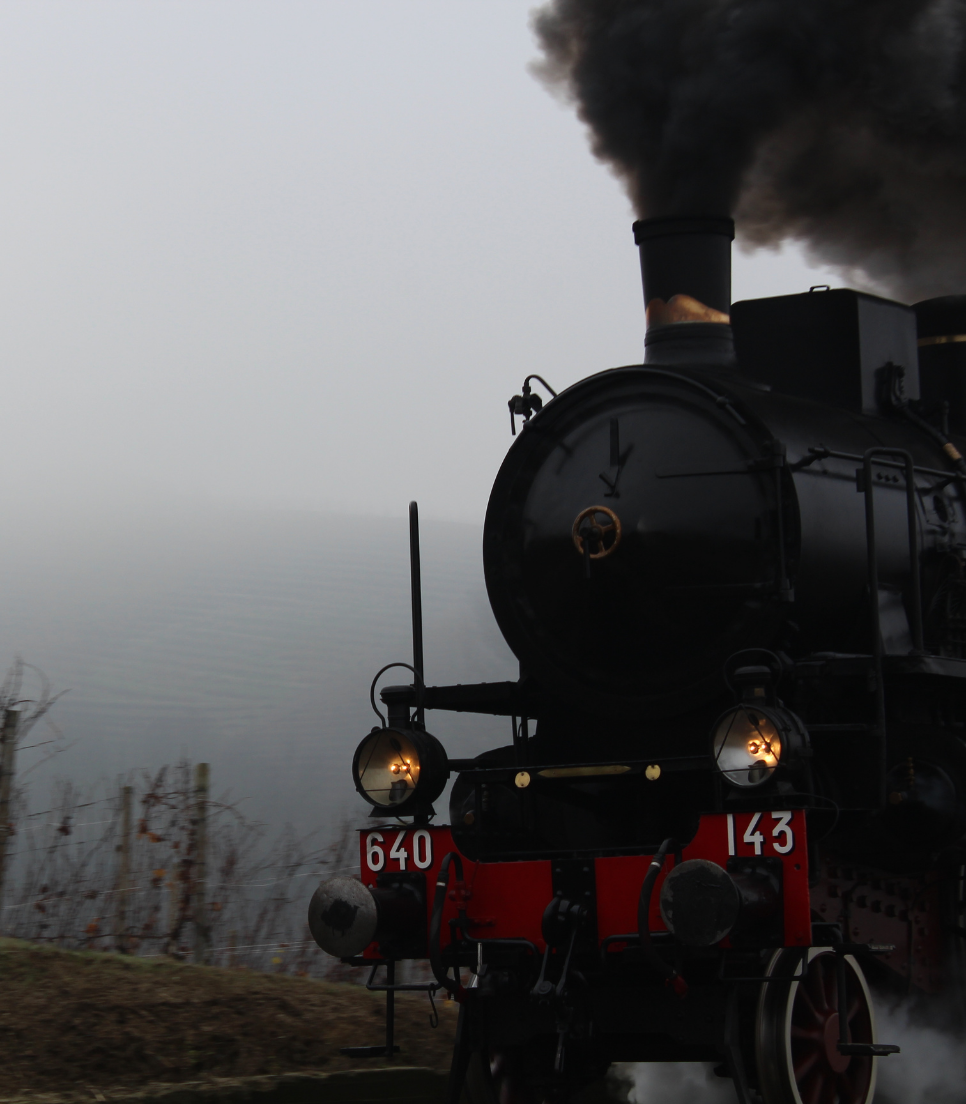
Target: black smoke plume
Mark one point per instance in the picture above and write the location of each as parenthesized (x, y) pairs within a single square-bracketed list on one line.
[(839, 123)]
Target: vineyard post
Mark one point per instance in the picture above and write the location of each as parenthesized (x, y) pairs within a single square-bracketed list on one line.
[(123, 873), (199, 896), (8, 751)]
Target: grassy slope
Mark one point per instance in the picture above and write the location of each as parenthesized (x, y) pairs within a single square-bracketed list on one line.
[(70, 1020)]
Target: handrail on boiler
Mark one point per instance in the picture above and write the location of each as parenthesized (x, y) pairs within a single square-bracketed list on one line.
[(866, 485)]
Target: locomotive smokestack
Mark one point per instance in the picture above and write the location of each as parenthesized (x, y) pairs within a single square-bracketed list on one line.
[(686, 270)]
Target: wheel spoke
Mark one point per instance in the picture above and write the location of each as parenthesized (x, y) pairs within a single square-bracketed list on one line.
[(803, 1066), (861, 1072), (807, 1003), (816, 985), (830, 984), (813, 1094), (813, 1034), (846, 1088), (855, 1007)]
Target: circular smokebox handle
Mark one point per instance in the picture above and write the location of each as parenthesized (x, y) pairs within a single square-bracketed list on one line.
[(598, 526)]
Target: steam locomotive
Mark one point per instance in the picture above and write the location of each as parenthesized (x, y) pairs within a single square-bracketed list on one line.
[(735, 794)]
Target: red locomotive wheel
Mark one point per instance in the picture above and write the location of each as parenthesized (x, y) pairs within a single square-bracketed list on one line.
[(797, 1033)]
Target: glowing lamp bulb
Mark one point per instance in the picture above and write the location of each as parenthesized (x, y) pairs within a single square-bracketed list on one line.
[(747, 747), (387, 766)]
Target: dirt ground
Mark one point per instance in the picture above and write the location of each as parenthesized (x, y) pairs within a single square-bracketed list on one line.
[(71, 1021)]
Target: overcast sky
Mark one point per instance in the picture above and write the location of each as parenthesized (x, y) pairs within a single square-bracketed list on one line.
[(295, 253)]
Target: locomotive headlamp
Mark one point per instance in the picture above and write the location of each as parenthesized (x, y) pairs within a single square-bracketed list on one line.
[(401, 771), (747, 745)]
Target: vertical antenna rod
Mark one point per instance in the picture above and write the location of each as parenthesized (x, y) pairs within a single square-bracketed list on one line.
[(417, 595)]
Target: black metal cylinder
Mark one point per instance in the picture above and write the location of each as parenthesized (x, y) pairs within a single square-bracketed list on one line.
[(941, 330), (687, 256), (702, 903), (686, 270)]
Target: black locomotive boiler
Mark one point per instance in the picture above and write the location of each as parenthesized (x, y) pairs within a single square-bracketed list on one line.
[(735, 794)]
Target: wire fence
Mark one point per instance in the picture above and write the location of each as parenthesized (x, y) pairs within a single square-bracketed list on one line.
[(86, 875)]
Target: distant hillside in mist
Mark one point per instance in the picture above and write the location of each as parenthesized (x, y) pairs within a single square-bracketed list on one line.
[(244, 637)]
